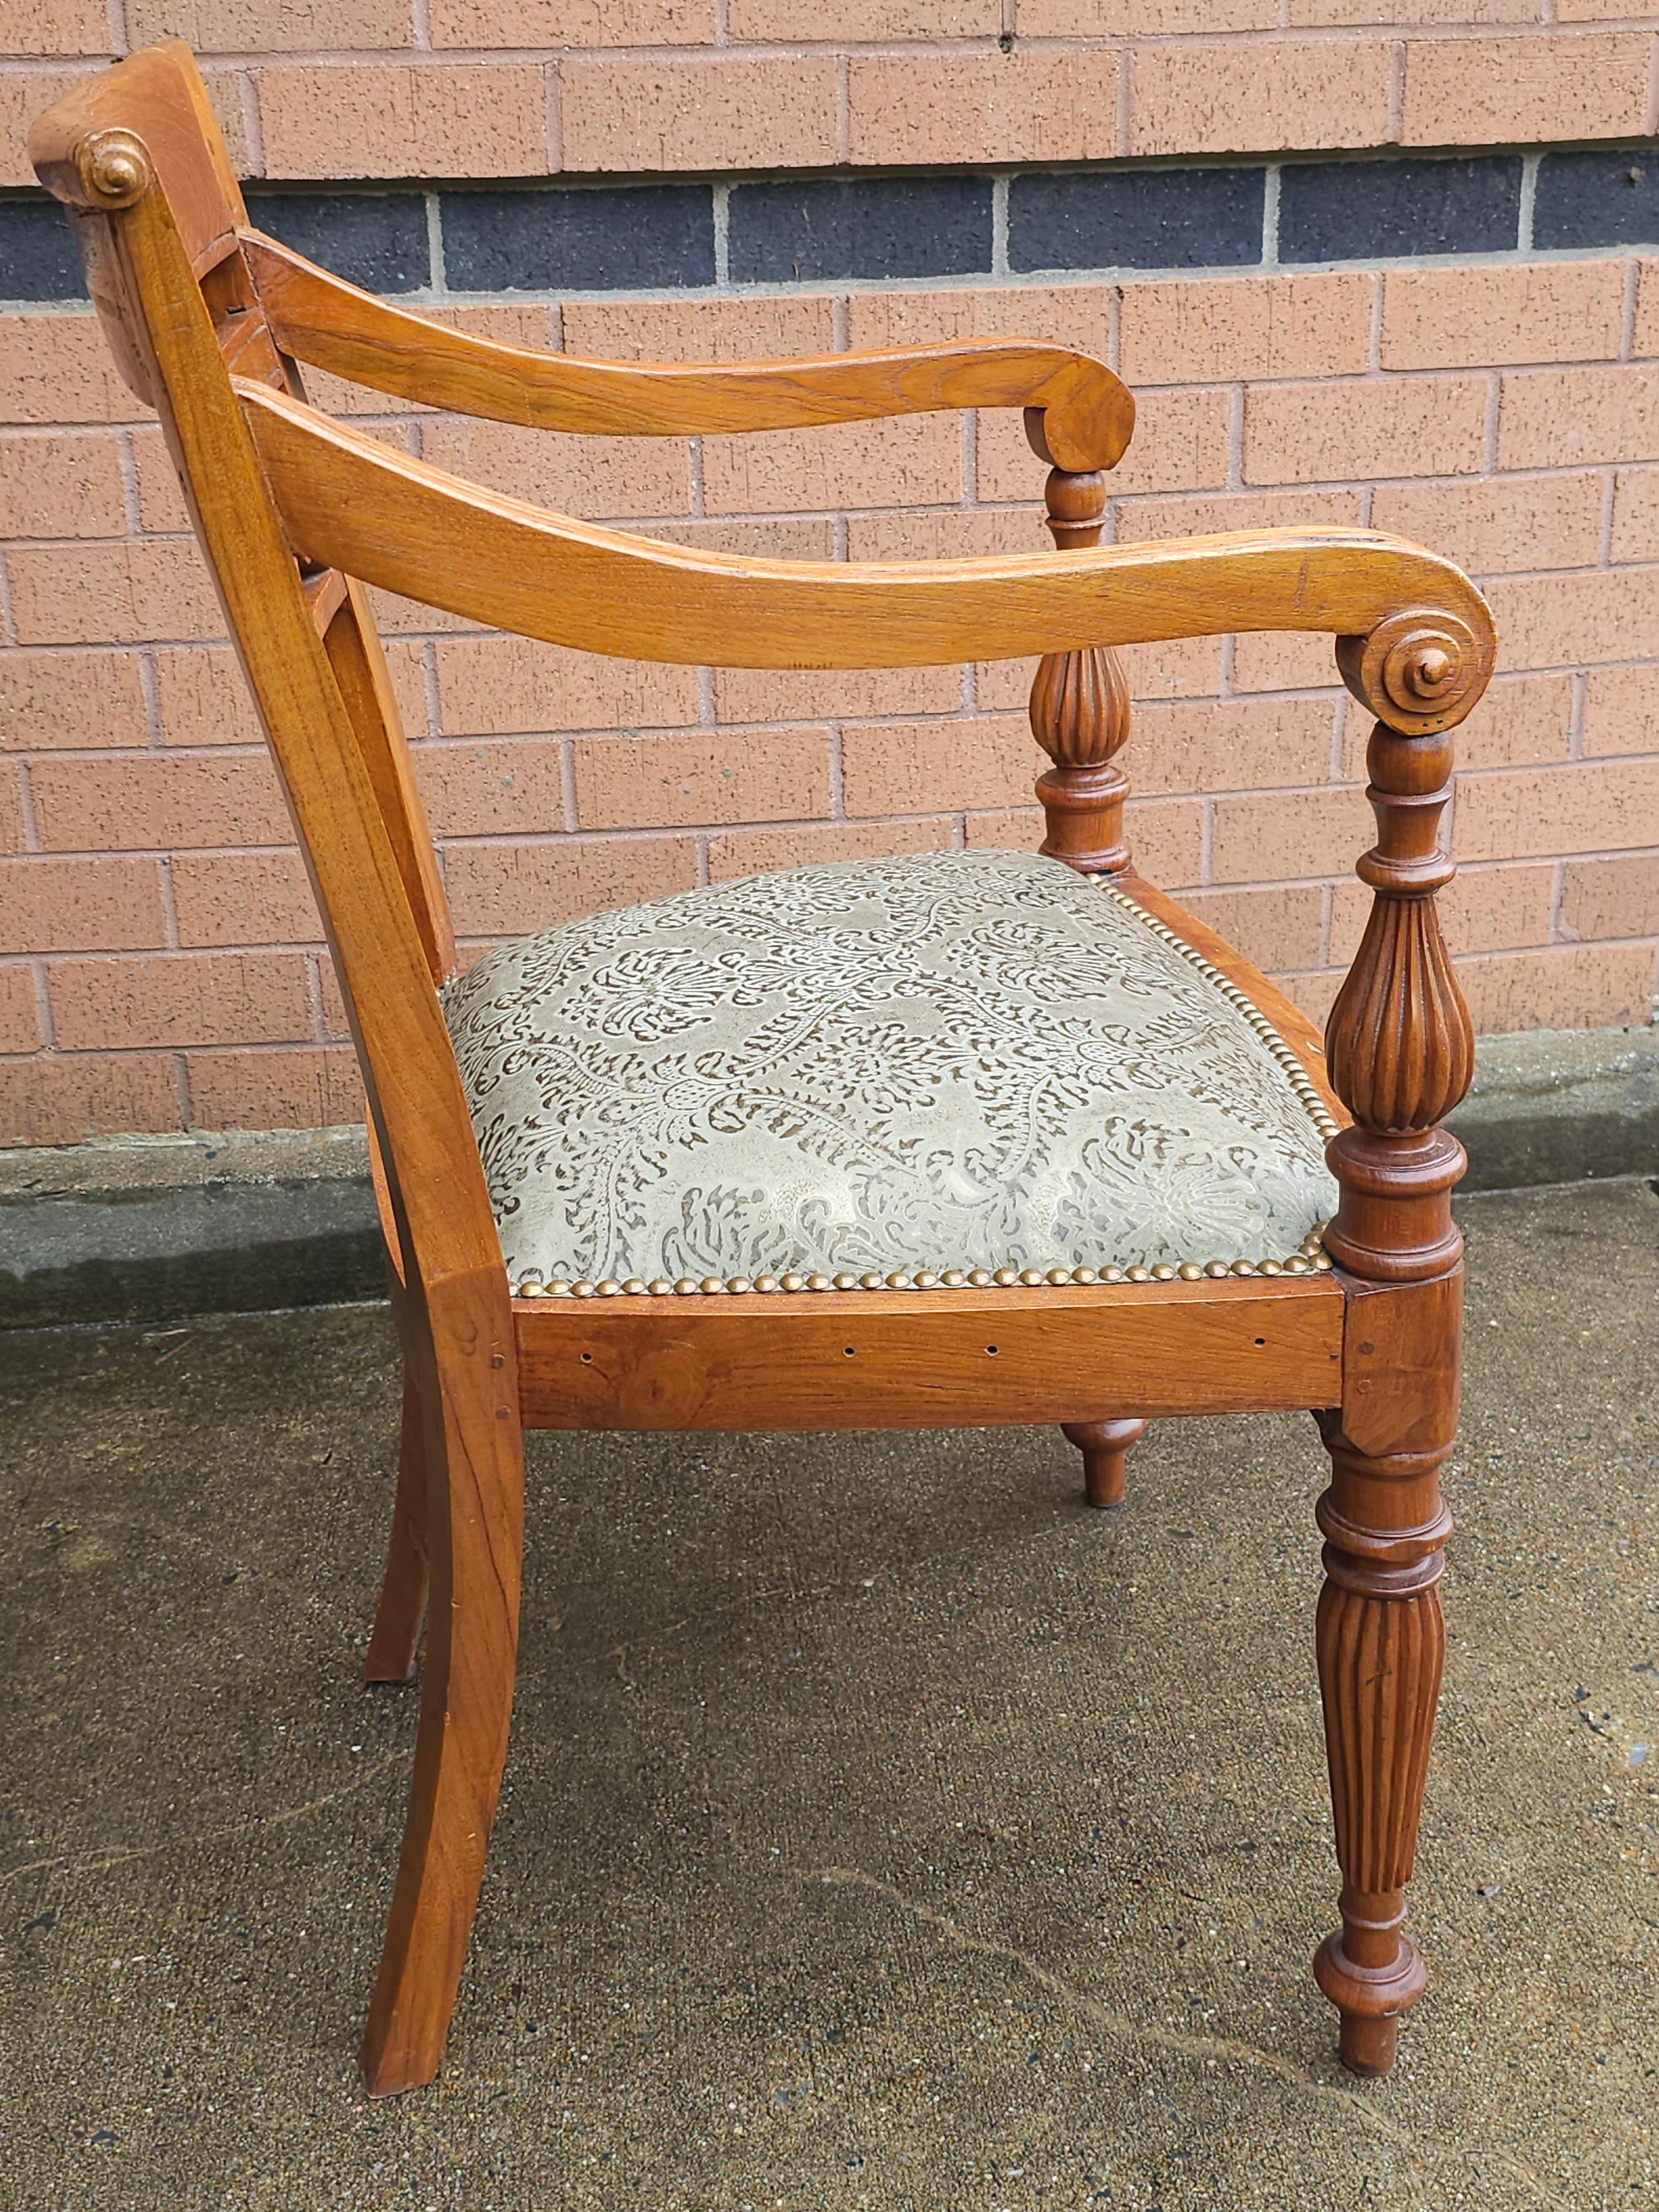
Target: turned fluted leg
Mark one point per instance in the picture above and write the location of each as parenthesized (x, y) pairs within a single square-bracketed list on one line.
[(1382, 1641), (1105, 1447), (1400, 1055)]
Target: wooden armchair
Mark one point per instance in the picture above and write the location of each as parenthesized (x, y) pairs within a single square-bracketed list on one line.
[(744, 1158)]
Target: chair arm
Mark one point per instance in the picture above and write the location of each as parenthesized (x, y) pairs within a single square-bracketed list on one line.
[(1078, 415), (352, 502)]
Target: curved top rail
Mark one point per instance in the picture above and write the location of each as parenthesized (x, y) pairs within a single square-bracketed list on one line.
[(353, 503), (1086, 413)]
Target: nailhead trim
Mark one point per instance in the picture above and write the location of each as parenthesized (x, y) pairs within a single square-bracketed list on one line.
[(1309, 1258)]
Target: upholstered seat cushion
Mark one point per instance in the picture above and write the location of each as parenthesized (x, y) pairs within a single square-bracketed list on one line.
[(952, 1060)]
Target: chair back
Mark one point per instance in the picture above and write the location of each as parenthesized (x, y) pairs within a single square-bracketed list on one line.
[(139, 161)]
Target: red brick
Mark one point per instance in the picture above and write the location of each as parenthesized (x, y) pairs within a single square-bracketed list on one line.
[(1284, 660), (1019, 107), (491, 686), (1197, 331), (123, 594), (304, 1087), (1314, 994), (757, 852), (914, 460), (82, 905), (244, 898), (254, 27), (1646, 336), (65, 700), (1284, 835), (1521, 720), (1076, 315), (950, 533), (926, 767), (698, 330), (385, 121), (712, 114), (61, 1099), (594, 477), (772, 538), (181, 998), (62, 484), (864, 19), (1584, 807), (12, 839), (205, 698), (1222, 744), (1636, 516), (1611, 899), (1576, 987), (1621, 711), (1481, 910), (1146, 18), (1180, 444), (1419, 426), (1563, 621), (503, 889), (1524, 90), (1192, 99), (1556, 417), (758, 775), (805, 694), (150, 802), (161, 501), (23, 95), (1274, 929), (471, 790), (1471, 318), (1166, 836), (57, 368), (20, 1019), (66, 27), (1007, 829), (1500, 525), (564, 23), (1203, 516)]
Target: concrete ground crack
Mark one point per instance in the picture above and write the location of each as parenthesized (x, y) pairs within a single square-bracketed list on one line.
[(98, 1860), (1126, 2030)]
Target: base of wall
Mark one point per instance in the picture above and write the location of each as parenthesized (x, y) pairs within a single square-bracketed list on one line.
[(150, 1229)]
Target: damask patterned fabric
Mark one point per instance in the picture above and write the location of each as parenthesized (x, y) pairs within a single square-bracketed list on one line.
[(955, 1060)]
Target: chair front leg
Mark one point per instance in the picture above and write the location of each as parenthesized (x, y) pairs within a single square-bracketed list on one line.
[(1381, 1643), (1105, 1446), (468, 1393), (1401, 1053)]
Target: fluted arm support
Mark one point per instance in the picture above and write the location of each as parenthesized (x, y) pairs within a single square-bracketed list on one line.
[(1400, 1047)]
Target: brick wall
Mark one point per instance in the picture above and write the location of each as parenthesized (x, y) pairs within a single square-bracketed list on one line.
[(1358, 271)]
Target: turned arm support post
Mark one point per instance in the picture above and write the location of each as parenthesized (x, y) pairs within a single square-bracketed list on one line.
[(1080, 705), (1401, 1054)]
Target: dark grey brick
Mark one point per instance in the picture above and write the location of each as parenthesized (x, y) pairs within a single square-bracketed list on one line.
[(377, 239), (1369, 211), (1609, 197), (38, 258), (598, 238), (871, 227), (1200, 218)]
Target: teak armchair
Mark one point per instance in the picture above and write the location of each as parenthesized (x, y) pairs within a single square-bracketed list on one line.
[(1175, 1094)]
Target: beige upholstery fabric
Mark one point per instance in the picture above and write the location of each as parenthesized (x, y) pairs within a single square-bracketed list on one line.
[(955, 1060)]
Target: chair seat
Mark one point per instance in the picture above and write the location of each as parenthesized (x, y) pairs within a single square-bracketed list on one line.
[(951, 1061)]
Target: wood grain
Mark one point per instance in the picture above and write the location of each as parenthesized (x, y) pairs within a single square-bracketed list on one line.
[(352, 502), (1085, 412), (923, 1360)]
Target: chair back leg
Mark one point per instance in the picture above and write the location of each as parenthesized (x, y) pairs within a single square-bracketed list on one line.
[(1105, 1446), (390, 1656)]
